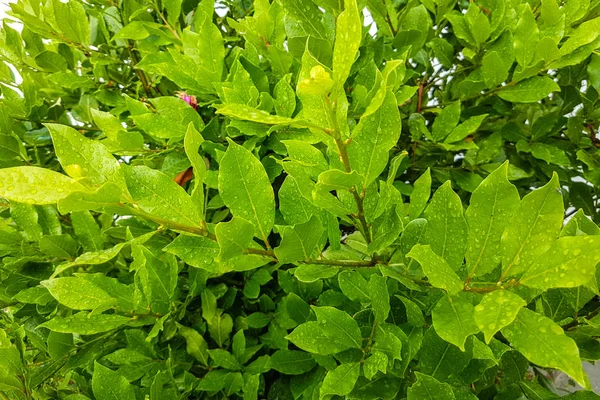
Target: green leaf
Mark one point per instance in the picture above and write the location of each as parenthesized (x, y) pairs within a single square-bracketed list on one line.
[(300, 241), (196, 346), (580, 224), (496, 310), (446, 231), (465, 129), (348, 37), (420, 195), (34, 185), (245, 189), (51, 61), (373, 138), (59, 344), (532, 230), (108, 194), (78, 294), (81, 157), (297, 308), (427, 387), (247, 113), (334, 179), (26, 218), (122, 292), (100, 256), (443, 51), (87, 231), (61, 246), (491, 208), (207, 50), (86, 324), (338, 326), (285, 98), (220, 327), (453, 320), (529, 90), (585, 33), (374, 363), (292, 362), (155, 193), (158, 277), (386, 230), (110, 385), (172, 118), (437, 269), (341, 380), (380, 297), (493, 70), (526, 36), (192, 142), (446, 121), (354, 286), (307, 15), (550, 154), (224, 359), (544, 343), (234, 237), (312, 338), (570, 262)]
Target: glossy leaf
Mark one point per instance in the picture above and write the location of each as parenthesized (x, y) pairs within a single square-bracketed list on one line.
[(245, 189), (570, 262), (453, 320), (532, 230), (233, 237), (85, 324), (81, 157), (436, 268), (291, 362), (110, 385), (544, 342), (153, 192), (491, 208), (78, 294), (373, 138), (300, 241), (34, 185), (529, 91), (427, 387), (338, 326), (420, 194), (446, 231), (341, 380), (496, 310)]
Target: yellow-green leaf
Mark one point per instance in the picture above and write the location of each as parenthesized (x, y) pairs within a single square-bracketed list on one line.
[(544, 343), (570, 262), (246, 190), (34, 185), (533, 229), (496, 310)]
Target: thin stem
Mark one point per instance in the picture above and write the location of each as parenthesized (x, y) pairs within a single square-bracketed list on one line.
[(339, 263), (486, 289), (343, 151), (169, 27), (141, 75), (197, 230)]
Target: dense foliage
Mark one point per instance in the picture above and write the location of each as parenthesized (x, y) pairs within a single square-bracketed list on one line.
[(298, 199)]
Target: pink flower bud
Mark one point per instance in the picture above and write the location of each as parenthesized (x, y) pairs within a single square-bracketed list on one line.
[(191, 100)]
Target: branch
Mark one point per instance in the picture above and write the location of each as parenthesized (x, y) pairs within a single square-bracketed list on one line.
[(139, 72)]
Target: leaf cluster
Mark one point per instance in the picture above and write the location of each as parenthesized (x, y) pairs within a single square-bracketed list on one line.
[(299, 199)]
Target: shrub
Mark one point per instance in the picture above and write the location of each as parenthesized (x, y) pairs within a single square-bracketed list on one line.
[(282, 200)]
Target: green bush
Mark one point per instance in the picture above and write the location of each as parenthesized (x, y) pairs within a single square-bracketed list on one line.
[(298, 199)]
